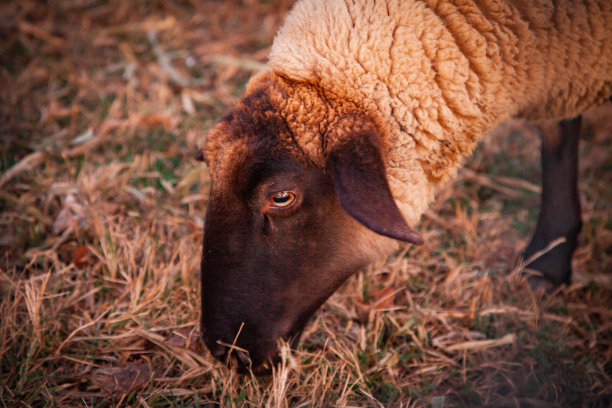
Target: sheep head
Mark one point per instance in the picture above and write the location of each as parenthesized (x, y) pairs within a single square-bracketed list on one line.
[(299, 201)]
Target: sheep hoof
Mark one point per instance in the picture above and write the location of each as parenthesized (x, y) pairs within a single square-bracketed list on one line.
[(548, 269), (538, 282)]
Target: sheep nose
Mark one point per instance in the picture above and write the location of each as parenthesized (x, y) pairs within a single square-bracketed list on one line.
[(217, 350)]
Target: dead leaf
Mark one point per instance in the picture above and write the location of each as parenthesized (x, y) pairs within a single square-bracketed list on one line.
[(185, 338), (27, 163), (38, 32), (82, 256), (156, 119), (116, 381), (363, 311), (72, 214), (483, 344), (445, 339), (187, 101), (383, 298)]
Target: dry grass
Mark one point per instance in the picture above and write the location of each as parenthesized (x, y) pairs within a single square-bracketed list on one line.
[(102, 107)]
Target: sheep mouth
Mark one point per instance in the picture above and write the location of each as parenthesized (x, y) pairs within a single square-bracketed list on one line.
[(260, 363)]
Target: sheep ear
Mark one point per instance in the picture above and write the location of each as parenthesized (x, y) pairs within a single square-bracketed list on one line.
[(361, 184)]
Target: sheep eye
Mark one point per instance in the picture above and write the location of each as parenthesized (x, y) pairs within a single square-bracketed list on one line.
[(282, 199)]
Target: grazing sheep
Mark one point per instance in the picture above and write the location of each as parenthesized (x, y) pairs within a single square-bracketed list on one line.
[(368, 107)]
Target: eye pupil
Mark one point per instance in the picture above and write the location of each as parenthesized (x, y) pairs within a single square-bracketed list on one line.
[(282, 198)]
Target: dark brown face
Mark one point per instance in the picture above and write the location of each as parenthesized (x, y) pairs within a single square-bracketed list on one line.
[(269, 257), (282, 233)]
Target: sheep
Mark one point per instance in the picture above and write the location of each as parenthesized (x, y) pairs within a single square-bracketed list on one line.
[(367, 108)]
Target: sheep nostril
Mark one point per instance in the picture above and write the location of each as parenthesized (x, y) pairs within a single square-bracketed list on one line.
[(220, 353), (217, 350)]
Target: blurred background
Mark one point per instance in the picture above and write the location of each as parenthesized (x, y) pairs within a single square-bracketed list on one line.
[(103, 105)]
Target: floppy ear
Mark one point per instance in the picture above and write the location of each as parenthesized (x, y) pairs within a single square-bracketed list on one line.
[(361, 184)]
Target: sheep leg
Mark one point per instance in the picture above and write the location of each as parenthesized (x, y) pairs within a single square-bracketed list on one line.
[(560, 207)]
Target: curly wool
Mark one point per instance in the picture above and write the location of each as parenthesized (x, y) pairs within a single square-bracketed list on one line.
[(435, 76)]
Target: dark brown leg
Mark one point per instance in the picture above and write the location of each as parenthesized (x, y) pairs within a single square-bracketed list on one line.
[(560, 211)]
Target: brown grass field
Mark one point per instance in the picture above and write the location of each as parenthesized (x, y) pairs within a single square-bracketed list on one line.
[(103, 105)]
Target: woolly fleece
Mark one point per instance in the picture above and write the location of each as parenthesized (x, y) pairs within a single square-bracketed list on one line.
[(435, 76), (431, 77)]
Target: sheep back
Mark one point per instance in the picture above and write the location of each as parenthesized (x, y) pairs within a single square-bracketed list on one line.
[(437, 75)]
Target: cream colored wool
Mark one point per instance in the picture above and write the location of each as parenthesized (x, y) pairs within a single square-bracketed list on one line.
[(435, 76)]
